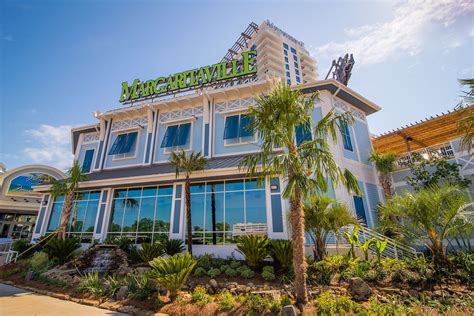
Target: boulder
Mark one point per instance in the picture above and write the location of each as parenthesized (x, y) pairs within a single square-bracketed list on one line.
[(288, 310), (359, 290), (122, 293), (213, 284)]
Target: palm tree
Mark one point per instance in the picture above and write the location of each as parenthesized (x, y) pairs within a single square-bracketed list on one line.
[(187, 164), (428, 216), (385, 164), (305, 168), (324, 215), (67, 187)]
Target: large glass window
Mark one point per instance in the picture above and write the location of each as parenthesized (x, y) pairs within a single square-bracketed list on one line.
[(177, 137), (83, 214), (124, 145), (222, 211), (237, 129), (141, 214)]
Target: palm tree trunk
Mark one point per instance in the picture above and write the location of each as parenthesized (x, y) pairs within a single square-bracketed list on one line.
[(188, 215), (386, 186), (66, 212), (299, 262)]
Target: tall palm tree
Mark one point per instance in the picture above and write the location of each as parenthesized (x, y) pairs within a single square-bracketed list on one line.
[(305, 168), (324, 215), (385, 164), (428, 216), (67, 187), (187, 164)]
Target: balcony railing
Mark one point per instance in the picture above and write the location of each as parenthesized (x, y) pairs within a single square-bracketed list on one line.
[(441, 151)]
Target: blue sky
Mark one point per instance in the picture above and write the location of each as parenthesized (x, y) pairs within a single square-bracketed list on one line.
[(62, 60)]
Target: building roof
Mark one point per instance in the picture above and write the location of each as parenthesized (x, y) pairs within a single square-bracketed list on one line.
[(435, 130)]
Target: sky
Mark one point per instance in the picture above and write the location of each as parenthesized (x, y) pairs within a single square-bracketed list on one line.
[(62, 60)]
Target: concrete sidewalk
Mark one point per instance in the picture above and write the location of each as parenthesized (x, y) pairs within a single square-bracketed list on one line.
[(18, 302)]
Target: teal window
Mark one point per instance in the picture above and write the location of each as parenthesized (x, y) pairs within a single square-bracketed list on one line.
[(141, 214), (238, 126), (296, 65), (285, 45), (293, 50), (223, 211), (285, 52), (297, 72), (303, 133), (295, 58), (176, 136), (286, 59), (346, 137), (87, 163), (298, 79), (288, 81), (124, 143), (359, 207)]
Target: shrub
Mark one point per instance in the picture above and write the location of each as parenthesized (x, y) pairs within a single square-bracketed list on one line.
[(21, 246), (322, 271), (200, 272), (285, 300), (257, 304), (224, 267), (91, 283), (200, 297), (268, 273), (172, 246), (113, 284), (214, 272), (281, 251), (231, 272), (246, 272), (62, 250), (328, 304), (356, 268), (39, 263), (148, 252), (254, 248), (464, 262), (234, 264), (140, 287), (172, 272), (122, 242), (205, 261), (54, 282), (226, 301)]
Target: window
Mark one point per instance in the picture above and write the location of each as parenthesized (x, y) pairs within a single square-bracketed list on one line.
[(288, 74), (237, 129), (286, 59), (303, 133), (254, 47), (359, 208), (287, 67), (285, 52), (296, 64), (285, 46), (225, 210), (85, 207), (293, 50), (346, 137), (295, 58), (288, 81), (297, 72), (298, 79), (124, 145), (141, 214), (176, 137), (87, 162)]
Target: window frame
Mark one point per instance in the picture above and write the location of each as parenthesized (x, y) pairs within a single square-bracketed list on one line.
[(240, 139), (92, 160), (127, 131), (169, 150)]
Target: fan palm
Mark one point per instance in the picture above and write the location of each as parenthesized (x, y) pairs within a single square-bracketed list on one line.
[(67, 187), (385, 164), (428, 216), (324, 215), (187, 164), (305, 168)]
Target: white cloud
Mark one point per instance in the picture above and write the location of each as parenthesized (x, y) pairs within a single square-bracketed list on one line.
[(52, 145), (373, 44)]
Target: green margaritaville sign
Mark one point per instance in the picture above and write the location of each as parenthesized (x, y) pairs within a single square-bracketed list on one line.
[(190, 79)]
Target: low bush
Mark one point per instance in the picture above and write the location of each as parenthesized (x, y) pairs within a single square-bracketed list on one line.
[(172, 272), (148, 252), (257, 304), (246, 272), (205, 261), (231, 272), (464, 264), (356, 268), (214, 272), (226, 301), (281, 250), (21, 246), (172, 246), (123, 243), (268, 273), (140, 287), (234, 264), (285, 300), (54, 282), (39, 262), (91, 283), (224, 267), (328, 304), (62, 250), (200, 296), (113, 284), (200, 272), (253, 248), (321, 272)]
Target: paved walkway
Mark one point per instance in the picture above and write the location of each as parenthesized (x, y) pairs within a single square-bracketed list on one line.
[(18, 302)]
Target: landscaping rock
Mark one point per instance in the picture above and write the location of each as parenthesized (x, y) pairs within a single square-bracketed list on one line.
[(122, 293), (335, 280), (359, 290), (213, 284), (271, 294), (30, 275), (414, 293), (128, 310), (288, 310)]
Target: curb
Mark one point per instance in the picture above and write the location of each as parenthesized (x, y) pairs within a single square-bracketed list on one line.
[(110, 305)]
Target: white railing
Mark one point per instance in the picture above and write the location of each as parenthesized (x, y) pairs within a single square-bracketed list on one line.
[(6, 254), (441, 151)]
